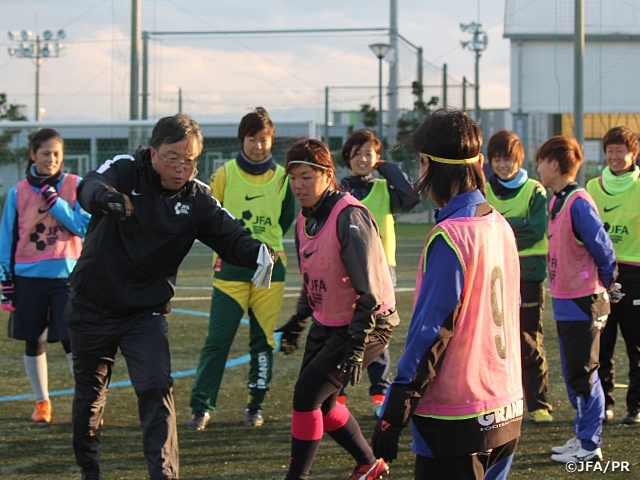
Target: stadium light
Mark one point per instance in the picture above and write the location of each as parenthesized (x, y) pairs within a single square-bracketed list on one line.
[(38, 47), (380, 50), (477, 44)]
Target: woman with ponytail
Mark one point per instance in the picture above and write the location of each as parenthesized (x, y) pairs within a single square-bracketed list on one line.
[(459, 380), (348, 293)]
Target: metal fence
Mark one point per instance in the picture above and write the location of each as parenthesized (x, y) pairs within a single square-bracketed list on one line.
[(87, 145)]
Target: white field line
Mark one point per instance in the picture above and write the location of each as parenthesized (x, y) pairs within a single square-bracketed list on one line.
[(286, 295)]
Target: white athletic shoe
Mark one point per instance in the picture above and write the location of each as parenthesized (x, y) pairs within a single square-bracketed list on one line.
[(579, 455), (569, 447)]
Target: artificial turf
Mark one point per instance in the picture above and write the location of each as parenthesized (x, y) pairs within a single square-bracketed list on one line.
[(229, 450)]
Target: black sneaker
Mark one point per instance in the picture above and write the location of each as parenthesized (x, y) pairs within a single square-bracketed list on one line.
[(198, 420), (631, 418), (94, 473), (253, 417)]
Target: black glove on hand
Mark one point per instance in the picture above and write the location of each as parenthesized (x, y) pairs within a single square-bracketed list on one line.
[(615, 295), (385, 440), (116, 204), (291, 332), (49, 194), (353, 360)]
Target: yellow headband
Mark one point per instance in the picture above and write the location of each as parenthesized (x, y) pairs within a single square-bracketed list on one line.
[(449, 160)]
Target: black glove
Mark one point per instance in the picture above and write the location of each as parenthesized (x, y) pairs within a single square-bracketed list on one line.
[(49, 194), (116, 204), (7, 297), (615, 295), (353, 360), (385, 440), (291, 332)]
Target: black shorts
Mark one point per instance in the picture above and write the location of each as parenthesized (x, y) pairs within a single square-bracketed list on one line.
[(326, 346), (39, 304)]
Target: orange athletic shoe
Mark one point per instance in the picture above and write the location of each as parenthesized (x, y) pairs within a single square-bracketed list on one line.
[(42, 413)]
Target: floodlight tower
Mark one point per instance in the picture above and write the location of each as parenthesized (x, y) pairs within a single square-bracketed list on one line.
[(39, 48), (477, 44)]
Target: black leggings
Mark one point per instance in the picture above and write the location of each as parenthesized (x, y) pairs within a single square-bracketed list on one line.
[(321, 375), (34, 349)]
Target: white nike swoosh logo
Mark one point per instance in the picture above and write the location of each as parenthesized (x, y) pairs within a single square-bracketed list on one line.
[(133, 192)]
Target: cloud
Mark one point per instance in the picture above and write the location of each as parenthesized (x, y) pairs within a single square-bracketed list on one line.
[(225, 75)]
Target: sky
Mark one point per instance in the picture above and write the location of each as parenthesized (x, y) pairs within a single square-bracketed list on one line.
[(225, 75)]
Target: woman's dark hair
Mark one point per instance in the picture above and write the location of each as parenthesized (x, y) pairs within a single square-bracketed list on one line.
[(357, 140), (452, 134), (505, 143), (175, 129), (314, 152), (622, 135), (38, 138), (255, 121), (564, 150)]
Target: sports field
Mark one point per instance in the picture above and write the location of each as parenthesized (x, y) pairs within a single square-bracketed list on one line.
[(229, 450)]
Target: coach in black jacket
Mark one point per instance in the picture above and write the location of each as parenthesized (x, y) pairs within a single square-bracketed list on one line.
[(147, 210)]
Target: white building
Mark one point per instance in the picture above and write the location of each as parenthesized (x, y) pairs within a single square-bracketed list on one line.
[(542, 60)]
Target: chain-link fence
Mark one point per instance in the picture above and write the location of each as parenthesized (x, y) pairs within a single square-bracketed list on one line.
[(88, 145)]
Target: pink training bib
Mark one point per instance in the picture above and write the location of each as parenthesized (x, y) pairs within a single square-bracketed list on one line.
[(481, 369), (325, 278), (572, 271), (40, 235)]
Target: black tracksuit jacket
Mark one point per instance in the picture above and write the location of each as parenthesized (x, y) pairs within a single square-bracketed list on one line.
[(129, 267)]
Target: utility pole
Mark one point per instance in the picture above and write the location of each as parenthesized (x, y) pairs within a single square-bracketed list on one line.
[(326, 115), (145, 75), (578, 80), (393, 74), (420, 76), (477, 44), (444, 86), (134, 95), (38, 65), (464, 93), (519, 120)]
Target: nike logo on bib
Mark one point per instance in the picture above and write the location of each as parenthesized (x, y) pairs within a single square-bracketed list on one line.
[(134, 193), (307, 255), (607, 210), (248, 198)]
